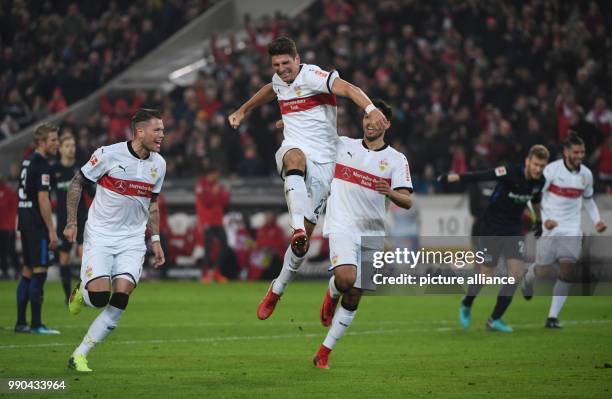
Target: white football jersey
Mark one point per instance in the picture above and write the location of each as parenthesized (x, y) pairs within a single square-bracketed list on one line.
[(354, 206), (563, 194), (309, 112), (126, 183)]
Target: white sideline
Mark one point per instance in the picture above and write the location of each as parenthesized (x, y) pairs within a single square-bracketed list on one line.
[(282, 336), (196, 340)]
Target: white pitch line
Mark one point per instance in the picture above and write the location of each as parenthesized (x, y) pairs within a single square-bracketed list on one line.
[(197, 340), (282, 336), (253, 324)]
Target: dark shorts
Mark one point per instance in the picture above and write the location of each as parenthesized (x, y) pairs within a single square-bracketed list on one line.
[(65, 245), (35, 248), (507, 243)]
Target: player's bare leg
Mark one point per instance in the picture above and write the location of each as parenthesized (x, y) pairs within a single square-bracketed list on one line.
[(561, 291), (291, 264), (344, 280), (516, 268), (97, 293)]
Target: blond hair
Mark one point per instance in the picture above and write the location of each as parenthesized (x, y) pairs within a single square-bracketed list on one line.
[(42, 132), (538, 151)]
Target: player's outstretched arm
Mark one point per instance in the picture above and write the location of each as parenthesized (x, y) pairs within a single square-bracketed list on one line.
[(153, 225), (263, 96), (342, 88), (72, 206), (483, 175)]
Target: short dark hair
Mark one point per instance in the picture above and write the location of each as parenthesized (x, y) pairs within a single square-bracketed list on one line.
[(282, 45), (384, 108), (572, 139), (144, 115), (539, 151)]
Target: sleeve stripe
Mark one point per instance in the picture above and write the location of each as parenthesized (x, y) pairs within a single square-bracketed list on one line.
[(85, 177), (328, 78), (404, 187)]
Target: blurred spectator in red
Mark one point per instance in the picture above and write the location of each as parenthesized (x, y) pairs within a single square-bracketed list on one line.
[(119, 128), (603, 157), (270, 236), (57, 102), (164, 235), (212, 200), (601, 116), (567, 111), (8, 210)]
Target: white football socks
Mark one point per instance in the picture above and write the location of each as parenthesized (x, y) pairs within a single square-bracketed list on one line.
[(341, 322), (99, 329), (291, 264), (296, 196), (560, 292)]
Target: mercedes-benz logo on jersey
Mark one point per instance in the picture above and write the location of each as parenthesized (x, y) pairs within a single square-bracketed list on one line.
[(346, 173), (120, 186)]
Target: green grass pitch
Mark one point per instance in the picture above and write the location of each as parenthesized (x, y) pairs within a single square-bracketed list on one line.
[(182, 339)]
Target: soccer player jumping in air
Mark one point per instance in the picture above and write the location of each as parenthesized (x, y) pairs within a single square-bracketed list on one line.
[(368, 173), (569, 185), (307, 99), (500, 232), (129, 177)]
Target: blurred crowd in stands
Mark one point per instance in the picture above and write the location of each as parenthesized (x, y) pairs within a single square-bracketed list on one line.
[(473, 84), (55, 52)]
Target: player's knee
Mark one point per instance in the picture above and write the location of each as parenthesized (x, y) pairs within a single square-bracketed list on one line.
[(99, 298), (294, 159), (345, 279), (119, 300)]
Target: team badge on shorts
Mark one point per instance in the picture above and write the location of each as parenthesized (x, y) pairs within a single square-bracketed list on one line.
[(154, 173), (334, 259), (89, 272)]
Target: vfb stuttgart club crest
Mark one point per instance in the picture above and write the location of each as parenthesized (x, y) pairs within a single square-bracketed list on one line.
[(154, 173), (383, 165), (89, 272)]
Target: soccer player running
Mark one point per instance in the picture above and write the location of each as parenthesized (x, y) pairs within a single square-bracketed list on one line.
[(368, 173), (62, 173), (569, 186), (501, 226), (35, 223), (129, 177), (307, 99)]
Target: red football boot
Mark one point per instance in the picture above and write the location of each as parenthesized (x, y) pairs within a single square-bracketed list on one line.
[(321, 358), (299, 243), (267, 305), (328, 308)]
